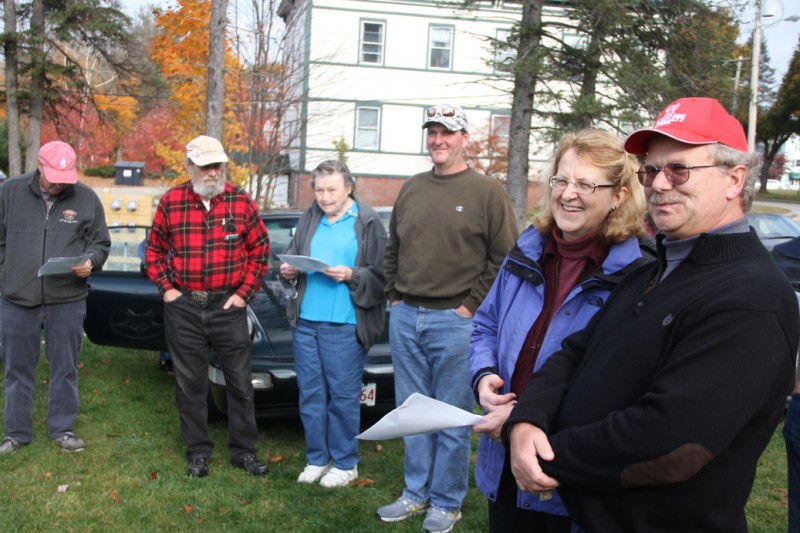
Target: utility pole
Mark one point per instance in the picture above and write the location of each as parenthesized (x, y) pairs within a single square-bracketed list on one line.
[(752, 116), (739, 61)]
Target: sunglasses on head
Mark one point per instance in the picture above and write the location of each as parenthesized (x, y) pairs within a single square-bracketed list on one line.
[(441, 110)]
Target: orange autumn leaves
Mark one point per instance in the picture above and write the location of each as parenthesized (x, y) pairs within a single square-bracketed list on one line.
[(180, 49)]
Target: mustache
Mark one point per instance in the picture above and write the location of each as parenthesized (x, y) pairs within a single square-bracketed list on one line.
[(665, 198)]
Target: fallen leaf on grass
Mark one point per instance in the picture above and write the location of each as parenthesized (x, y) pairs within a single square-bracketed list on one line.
[(62, 489), (188, 508), (153, 475), (363, 482), (114, 497), (277, 459), (95, 391), (48, 475), (378, 447), (80, 365), (105, 360)]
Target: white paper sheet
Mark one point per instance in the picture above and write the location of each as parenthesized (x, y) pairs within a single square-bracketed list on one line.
[(62, 265), (304, 263), (419, 414)]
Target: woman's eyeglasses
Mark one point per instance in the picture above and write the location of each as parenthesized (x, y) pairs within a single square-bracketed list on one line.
[(676, 173), (557, 183)]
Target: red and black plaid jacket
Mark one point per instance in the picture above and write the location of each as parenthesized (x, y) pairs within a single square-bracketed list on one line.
[(225, 248)]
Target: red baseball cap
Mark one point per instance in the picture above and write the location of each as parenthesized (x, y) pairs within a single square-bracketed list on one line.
[(58, 162), (692, 121)]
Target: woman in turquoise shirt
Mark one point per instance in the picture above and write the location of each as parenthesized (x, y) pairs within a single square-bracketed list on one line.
[(337, 315)]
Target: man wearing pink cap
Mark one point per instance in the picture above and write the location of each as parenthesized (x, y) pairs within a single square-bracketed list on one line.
[(653, 418), (46, 213)]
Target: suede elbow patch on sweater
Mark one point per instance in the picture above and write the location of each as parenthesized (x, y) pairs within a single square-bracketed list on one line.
[(679, 465)]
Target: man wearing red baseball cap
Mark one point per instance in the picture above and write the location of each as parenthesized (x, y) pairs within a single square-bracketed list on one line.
[(46, 213), (654, 416)]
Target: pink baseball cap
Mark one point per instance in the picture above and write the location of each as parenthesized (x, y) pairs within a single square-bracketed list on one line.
[(58, 161), (692, 121)]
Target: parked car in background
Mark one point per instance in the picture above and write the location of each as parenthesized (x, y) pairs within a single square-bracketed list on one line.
[(125, 309), (787, 257), (773, 228), (777, 185)]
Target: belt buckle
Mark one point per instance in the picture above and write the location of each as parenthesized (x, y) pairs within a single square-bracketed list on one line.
[(200, 296)]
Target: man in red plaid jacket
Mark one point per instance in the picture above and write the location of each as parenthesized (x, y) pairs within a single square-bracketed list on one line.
[(207, 253)]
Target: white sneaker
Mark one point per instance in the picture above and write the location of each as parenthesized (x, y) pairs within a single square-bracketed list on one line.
[(339, 478), (312, 474)]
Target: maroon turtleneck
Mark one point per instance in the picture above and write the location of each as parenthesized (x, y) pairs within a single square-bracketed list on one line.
[(564, 265)]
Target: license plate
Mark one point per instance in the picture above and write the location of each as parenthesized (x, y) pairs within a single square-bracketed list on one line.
[(368, 392)]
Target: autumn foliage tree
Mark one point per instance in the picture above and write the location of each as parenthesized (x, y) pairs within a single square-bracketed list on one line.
[(487, 151), (180, 49)]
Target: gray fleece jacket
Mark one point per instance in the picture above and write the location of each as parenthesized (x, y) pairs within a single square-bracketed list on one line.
[(29, 236), (366, 285)]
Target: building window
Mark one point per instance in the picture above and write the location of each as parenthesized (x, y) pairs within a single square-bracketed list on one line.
[(501, 126), (504, 54), (579, 41), (372, 42), (367, 128), (441, 47)]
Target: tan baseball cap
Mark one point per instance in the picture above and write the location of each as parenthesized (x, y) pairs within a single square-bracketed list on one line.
[(205, 150)]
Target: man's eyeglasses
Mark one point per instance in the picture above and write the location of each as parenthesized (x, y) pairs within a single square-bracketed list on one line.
[(441, 110), (676, 173), (558, 183)]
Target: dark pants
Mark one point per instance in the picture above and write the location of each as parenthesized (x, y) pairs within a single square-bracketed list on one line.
[(21, 336), (505, 516), (192, 331)]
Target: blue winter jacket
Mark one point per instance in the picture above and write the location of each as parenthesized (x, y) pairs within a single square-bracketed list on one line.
[(503, 321)]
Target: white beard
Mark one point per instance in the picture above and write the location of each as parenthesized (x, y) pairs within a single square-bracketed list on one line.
[(208, 190)]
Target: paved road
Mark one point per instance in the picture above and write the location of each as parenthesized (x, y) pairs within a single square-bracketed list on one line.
[(791, 208)]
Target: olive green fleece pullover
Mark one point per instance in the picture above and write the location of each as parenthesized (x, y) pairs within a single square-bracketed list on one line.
[(448, 237)]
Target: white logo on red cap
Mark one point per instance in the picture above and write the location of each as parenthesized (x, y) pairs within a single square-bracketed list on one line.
[(669, 116), (62, 163)]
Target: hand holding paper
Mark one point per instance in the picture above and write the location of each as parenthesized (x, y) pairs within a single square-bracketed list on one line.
[(304, 263), (419, 414), (62, 265)]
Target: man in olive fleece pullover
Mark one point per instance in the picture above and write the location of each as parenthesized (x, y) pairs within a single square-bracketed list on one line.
[(450, 230), (652, 419)]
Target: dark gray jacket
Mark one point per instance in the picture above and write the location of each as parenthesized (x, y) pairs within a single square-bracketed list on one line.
[(366, 285), (29, 236)]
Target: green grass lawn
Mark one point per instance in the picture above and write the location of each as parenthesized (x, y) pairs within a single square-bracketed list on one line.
[(131, 477)]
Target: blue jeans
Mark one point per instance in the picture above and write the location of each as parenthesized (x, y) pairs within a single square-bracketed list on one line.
[(21, 336), (429, 354), (330, 363), (791, 435)]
